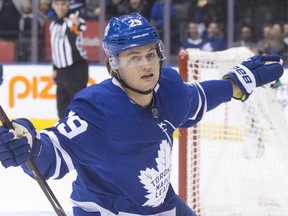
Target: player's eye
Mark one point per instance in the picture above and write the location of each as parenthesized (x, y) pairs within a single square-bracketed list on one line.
[(134, 60), (151, 57)]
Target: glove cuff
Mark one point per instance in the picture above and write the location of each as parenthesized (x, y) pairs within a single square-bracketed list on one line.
[(244, 79), (36, 148)]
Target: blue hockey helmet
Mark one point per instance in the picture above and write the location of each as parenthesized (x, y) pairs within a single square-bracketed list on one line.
[(128, 32)]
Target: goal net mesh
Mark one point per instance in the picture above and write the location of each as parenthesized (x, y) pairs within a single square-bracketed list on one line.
[(237, 156)]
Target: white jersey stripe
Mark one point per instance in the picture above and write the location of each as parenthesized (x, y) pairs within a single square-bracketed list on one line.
[(200, 101), (94, 207), (65, 155)]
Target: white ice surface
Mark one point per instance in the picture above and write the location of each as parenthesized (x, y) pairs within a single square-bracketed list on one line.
[(20, 195)]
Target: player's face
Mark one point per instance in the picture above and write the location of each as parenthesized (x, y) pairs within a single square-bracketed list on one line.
[(61, 8), (139, 67)]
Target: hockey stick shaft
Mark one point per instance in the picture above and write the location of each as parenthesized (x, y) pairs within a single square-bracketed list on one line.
[(35, 171)]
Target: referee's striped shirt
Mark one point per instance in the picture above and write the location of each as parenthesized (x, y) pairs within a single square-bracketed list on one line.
[(66, 43)]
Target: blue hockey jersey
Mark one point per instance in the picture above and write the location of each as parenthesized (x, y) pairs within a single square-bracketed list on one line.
[(121, 150)]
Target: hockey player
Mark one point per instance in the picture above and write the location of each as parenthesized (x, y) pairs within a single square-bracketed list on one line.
[(118, 135)]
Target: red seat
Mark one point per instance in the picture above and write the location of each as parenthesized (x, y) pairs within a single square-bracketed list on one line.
[(7, 50)]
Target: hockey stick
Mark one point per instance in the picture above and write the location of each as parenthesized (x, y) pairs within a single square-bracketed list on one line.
[(35, 171)]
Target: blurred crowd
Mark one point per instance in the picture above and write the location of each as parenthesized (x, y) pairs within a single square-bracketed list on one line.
[(262, 27)]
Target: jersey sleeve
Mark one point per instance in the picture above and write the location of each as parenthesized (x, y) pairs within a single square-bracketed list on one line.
[(191, 100), (74, 140), (204, 97), (51, 159)]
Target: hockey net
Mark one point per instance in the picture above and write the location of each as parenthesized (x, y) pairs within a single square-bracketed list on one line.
[(235, 161)]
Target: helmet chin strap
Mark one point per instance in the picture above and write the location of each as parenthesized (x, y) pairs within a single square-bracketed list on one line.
[(125, 85)]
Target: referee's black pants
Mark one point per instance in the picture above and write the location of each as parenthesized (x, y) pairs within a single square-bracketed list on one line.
[(69, 81)]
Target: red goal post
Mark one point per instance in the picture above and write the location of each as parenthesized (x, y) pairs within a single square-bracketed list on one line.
[(235, 161)]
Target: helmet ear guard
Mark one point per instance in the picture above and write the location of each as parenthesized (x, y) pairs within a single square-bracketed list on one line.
[(160, 50), (114, 62)]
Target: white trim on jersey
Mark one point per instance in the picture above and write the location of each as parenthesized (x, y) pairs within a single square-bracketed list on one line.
[(198, 86), (65, 155), (94, 207)]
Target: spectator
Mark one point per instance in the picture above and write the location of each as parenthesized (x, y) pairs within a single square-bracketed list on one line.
[(115, 8), (277, 44), (205, 12), (194, 40), (272, 41), (263, 44), (45, 11), (157, 20), (149, 4), (25, 22), (10, 14), (70, 67), (157, 15), (92, 9), (246, 39), (24, 41), (138, 6), (215, 41), (25, 27)]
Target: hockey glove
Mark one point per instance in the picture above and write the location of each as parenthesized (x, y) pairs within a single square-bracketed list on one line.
[(18, 145), (256, 71)]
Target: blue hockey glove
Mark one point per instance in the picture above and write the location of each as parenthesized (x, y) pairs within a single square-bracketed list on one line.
[(256, 71), (18, 145)]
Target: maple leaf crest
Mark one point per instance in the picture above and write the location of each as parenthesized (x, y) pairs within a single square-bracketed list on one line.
[(156, 182)]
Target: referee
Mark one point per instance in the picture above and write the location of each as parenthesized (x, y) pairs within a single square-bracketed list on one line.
[(70, 65)]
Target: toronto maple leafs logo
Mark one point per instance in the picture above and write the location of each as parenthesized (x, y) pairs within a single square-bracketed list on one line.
[(157, 182)]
